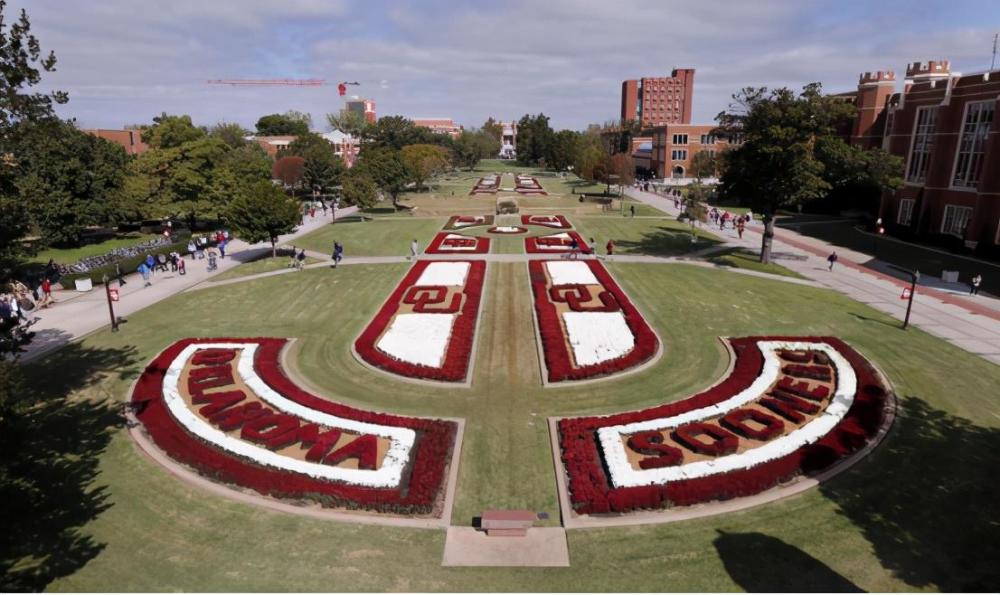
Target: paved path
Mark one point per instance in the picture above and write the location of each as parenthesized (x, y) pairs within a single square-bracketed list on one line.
[(76, 314), (941, 309)]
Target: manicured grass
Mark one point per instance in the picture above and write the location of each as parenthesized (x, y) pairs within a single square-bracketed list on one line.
[(919, 513), (653, 236), (263, 265), (741, 258), (71, 255), (379, 237)]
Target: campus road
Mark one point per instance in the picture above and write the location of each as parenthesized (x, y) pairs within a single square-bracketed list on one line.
[(76, 314), (942, 309)]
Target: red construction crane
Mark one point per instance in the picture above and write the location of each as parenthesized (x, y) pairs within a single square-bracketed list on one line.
[(341, 87)]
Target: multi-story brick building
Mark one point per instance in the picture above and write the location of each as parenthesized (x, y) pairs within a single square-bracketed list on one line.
[(439, 126), (130, 139), (363, 107), (656, 101), (945, 126), (675, 145)]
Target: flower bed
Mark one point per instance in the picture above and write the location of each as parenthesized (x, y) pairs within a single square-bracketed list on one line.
[(464, 221), (507, 230), (486, 185), (226, 408), (556, 243), (765, 424), (453, 243), (587, 324), (427, 326), (528, 185), (554, 221)]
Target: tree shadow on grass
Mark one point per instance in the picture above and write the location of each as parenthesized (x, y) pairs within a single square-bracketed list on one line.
[(761, 563), (927, 500), (50, 463), (664, 241)]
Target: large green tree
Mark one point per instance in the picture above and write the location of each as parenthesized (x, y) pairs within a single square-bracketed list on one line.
[(792, 152), (289, 123), (351, 123), (231, 133), (564, 150), (262, 212), (68, 179), (383, 166), (424, 162), (359, 189), (534, 140), (473, 145), (169, 131), (322, 168)]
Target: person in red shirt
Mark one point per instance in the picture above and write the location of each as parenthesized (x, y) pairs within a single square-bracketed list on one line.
[(610, 246), (47, 293)]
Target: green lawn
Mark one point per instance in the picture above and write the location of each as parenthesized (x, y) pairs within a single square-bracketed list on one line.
[(71, 255), (741, 258), (86, 511), (263, 265), (657, 237), (379, 237)]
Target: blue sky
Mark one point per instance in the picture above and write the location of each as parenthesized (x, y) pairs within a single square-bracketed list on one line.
[(124, 61)]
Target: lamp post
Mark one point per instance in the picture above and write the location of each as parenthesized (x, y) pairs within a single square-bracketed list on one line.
[(111, 308), (914, 277), (879, 230)]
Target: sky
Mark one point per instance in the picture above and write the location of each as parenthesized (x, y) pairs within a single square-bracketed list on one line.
[(125, 61)]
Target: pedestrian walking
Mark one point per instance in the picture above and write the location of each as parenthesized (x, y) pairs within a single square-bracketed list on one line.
[(610, 247), (976, 282), (181, 267), (832, 259), (631, 209), (150, 262), (222, 249), (119, 275), (291, 260), (414, 248), (174, 257), (592, 246), (145, 271), (15, 308), (300, 259), (740, 226), (191, 248), (47, 293), (574, 248), (212, 264), (338, 253)]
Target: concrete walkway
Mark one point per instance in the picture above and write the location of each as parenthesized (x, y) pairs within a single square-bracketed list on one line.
[(76, 314), (941, 309)]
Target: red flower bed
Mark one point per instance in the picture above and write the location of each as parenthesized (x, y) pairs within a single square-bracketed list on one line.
[(479, 188), (422, 481), (591, 490), (442, 244), (558, 359), (534, 188), (554, 245), (554, 221), (456, 360), (467, 221)]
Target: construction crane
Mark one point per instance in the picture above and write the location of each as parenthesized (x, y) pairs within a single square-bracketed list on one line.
[(341, 87)]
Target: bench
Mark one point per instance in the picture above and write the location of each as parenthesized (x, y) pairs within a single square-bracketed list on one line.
[(507, 523)]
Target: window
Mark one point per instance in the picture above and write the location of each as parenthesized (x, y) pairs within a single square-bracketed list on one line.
[(736, 139), (680, 139), (905, 214), (972, 146), (708, 139), (955, 219), (922, 145), (709, 152), (679, 154)]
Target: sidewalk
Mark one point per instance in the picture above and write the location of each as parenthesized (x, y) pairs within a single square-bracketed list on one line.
[(971, 323), (76, 314)]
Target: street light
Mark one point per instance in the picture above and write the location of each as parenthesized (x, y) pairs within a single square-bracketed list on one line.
[(111, 308), (914, 277)]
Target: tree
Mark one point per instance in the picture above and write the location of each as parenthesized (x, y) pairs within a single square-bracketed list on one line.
[(169, 131), (67, 179), (289, 171), (20, 57), (423, 162), (777, 165), (383, 166), (534, 140), (395, 132), (231, 133), (247, 164), (359, 189), (494, 129), (617, 135), (473, 145), (263, 213), (623, 170), (565, 149), (290, 123), (704, 165), (351, 123), (322, 168)]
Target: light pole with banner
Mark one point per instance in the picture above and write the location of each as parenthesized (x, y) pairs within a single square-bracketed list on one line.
[(112, 295)]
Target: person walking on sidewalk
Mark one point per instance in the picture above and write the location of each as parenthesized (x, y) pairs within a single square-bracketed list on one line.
[(610, 247), (832, 259), (414, 249), (144, 270), (300, 259), (976, 282), (631, 210), (119, 275), (338, 253), (740, 226)]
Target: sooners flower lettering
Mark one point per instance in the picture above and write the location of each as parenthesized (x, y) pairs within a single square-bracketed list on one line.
[(556, 243), (791, 406), (224, 407), (453, 243)]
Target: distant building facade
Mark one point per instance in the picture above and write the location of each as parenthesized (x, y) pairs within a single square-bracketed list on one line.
[(508, 140), (342, 145), (130, 139), (439, 126), (674, 147), (657, 101), (945, 126), (363, 107)]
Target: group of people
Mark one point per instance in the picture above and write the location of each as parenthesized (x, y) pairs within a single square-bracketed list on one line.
[(723, 218)]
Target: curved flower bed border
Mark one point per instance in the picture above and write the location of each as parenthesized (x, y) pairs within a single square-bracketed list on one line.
[(553, 221), (553, 335), (518, 230), (422, 483), (455, 366), (529, 190), (456, 222), (592, 492), (441, 241), (480, 189), (532, 245)]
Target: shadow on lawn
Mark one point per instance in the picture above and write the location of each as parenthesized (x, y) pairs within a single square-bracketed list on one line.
[(761, 563), (927, 500), (664, 241), (49, 460)]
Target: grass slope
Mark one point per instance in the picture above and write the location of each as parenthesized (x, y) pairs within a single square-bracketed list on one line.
[(379, 237)]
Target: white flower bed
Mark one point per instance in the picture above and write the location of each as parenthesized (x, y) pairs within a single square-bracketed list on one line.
[(476, 221), (418, 338), (455, 236), (597, 336), (556, 247), (623, 475), (507, 229), (444, 273), (387, 476), (571, 273)]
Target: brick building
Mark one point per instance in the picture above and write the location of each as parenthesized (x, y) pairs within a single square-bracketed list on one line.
[(439, 126), (674, 146), (130, 139), (363, 107), (656, 101), (945, 127)]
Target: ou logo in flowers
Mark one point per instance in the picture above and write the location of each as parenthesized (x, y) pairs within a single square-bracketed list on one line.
[(790, 407)]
